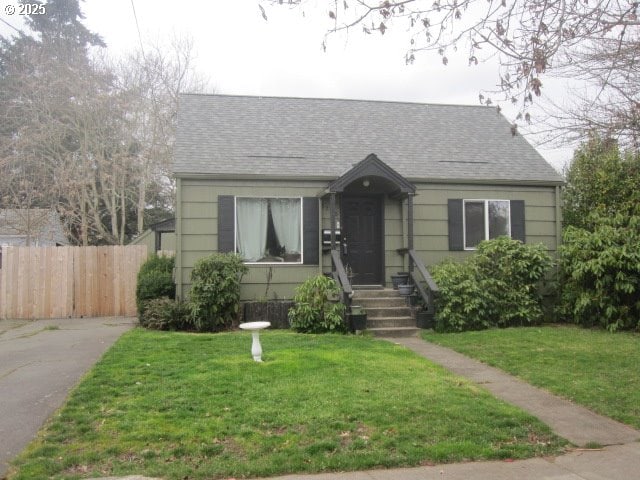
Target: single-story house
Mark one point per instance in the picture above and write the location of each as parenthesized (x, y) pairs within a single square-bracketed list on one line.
[(282, 180), (36, 227)]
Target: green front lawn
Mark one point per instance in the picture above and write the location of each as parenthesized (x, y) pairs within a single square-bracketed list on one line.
[(196, 406), (594, 368)]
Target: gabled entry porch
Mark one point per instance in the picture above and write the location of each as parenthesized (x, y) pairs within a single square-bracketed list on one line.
[(358, 201)]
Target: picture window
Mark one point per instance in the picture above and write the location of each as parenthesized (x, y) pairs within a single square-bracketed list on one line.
[(269, 230)]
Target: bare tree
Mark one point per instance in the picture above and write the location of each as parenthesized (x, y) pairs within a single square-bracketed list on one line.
[(88, 138), (610, 105), (151, 79), (597, 40)]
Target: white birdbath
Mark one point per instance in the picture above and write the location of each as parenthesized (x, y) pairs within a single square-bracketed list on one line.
[(254, 328)]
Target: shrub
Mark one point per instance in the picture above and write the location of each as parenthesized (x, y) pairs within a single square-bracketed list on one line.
[(314, 311), (155, 280), (498, 286), (215, 291), (165, 314), (461, 303), (600, 270)]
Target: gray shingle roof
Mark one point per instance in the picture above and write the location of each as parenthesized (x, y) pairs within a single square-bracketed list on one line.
[(322, 138), (42, 226)]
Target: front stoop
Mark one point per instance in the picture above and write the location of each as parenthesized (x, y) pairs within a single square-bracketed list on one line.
[(387, 313)]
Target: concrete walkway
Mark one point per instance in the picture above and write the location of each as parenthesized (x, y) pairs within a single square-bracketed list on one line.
[(40, 361)]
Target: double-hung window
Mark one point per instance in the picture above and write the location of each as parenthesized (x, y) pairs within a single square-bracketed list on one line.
[(484, 220), (269, 229)]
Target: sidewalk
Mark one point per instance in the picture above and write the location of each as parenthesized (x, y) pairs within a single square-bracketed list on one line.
[(620, 462)]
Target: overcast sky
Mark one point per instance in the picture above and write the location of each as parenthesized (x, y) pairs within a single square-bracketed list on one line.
[(243, 54)]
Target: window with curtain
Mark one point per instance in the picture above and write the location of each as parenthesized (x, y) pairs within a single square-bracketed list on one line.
[(269, 229), (484, 220)]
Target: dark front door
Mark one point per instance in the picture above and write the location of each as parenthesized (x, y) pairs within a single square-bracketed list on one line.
[(362, 227)]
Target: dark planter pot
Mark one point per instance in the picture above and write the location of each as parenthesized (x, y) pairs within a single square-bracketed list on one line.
[(397, 280), (274, 311), (403, 278), (424, 320), (405, 289), (357, 321)]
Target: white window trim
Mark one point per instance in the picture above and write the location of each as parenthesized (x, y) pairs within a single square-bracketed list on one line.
[(235, 225), (486, 218)]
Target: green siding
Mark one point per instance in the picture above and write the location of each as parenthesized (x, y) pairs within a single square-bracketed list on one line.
[(430, 213), (168, 241), (146, 238), (199, 222), (197, 217)]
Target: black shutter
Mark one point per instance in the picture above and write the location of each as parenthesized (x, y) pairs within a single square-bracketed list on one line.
[(456, 238), (226, 230), (517, 220), (310, 230)]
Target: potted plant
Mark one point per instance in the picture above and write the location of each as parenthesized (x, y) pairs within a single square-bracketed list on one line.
[(405, 290), (357, 318)]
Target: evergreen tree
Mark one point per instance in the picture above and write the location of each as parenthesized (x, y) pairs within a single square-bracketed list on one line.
[(601, 179)]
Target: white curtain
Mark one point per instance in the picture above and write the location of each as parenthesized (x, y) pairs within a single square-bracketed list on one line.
[(285, 213), (251, 228)]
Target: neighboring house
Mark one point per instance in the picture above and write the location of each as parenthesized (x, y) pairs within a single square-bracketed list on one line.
[(31, 227), (270, 177), (159, 237)]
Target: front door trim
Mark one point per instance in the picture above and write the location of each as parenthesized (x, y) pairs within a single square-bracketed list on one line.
[(380, 199)]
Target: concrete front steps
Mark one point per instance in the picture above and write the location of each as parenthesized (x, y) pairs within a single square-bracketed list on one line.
[(387, 312)]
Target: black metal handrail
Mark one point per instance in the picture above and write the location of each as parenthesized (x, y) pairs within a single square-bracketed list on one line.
[(429, 293), (340, 275)]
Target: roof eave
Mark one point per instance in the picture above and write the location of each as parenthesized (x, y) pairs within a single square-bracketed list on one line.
[(326, 178)]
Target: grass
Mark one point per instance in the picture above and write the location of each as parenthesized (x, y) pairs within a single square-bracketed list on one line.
[(594, 368), (196, 406)]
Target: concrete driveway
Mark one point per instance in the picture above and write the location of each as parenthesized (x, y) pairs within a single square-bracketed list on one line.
[(40, 361)]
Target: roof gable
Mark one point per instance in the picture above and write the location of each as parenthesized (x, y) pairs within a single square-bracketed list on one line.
[(372, 166), (239, 136)]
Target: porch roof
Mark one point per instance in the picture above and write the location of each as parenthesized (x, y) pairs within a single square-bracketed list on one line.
[(373, 167), (323, 138)]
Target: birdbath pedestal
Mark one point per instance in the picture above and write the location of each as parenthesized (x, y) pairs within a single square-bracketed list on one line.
[(254, 328)]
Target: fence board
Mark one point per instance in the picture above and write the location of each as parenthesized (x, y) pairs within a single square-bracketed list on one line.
[(3, 279), (54, 282), (79, 281)]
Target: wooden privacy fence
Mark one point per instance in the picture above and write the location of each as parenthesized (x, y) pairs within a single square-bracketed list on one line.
[(55, 282)]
